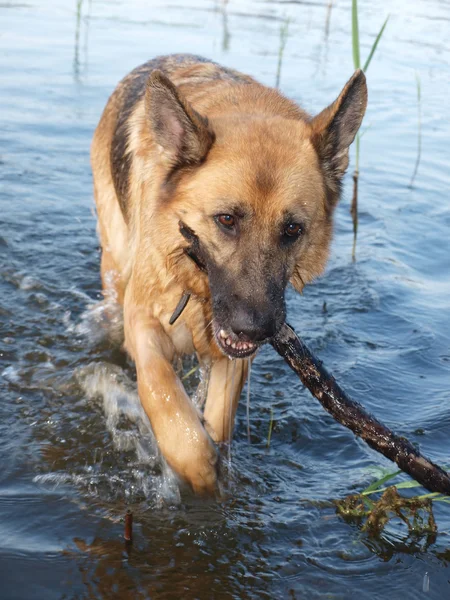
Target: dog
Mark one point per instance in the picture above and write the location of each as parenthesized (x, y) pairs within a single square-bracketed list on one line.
[(213, 192)]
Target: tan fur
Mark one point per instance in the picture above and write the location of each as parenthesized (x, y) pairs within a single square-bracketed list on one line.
[(256, 149)]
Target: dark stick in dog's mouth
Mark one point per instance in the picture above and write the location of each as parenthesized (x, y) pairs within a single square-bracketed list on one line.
[(351, 414)]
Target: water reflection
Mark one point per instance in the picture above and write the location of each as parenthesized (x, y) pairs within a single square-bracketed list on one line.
[(155, 563)]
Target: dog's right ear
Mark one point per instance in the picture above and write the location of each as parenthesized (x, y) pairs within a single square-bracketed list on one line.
[(184, 136), (335, 128)]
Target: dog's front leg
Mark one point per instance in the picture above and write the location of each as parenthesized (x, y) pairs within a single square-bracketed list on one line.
[(181, 437), (225, 385)]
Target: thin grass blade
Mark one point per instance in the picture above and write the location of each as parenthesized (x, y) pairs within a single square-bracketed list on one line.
[(364, 131), (190, 372), (433, 495), (284, 33), (375, 44), (355, 35), (368, 503), (377, 484), (269, 436), (404, 485), (419, 131), (419, 94)]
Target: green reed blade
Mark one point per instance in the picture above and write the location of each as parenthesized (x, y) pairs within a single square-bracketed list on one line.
[(191, 372), (284, 33), (355, 35), (419, 130), (376, 484), (375, 44)]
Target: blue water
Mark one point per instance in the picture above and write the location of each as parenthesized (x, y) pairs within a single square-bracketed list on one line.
[(74, 447)]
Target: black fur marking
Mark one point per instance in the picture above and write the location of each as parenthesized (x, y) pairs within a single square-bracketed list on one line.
[(193, 251), (120, 158), (131, 92), (194, 257)]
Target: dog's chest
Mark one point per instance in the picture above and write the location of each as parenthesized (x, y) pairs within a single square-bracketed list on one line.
[(182, 340)]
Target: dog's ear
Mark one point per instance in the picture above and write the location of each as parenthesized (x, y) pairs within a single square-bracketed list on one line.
[(335, 128), (183, 135)]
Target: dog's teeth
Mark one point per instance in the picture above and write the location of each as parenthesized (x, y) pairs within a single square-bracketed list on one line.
[(227, 340)]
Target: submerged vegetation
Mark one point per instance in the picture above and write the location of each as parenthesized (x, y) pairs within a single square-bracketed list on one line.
[(357, 65), (379, 504)]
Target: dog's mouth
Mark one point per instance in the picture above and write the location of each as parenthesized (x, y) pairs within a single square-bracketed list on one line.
[(232, 345)]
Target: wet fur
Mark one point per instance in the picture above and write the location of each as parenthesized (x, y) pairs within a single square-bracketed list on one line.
[(181, 140)]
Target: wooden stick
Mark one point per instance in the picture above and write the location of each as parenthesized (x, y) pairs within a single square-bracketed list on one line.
[(349, 413)]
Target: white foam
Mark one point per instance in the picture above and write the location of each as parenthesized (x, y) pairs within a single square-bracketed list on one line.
[(130, 429), (28, 282), (100, 322), (200, 394), (126, 420), (11, 374)]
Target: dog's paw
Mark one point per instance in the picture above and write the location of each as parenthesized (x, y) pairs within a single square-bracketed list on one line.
[(204, 479), (198, 466)]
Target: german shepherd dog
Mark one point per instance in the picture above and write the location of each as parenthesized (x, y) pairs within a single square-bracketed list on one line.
[(214, 188)]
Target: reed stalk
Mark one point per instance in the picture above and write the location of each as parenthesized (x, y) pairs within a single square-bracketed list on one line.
[(357, 65), (419, 131)]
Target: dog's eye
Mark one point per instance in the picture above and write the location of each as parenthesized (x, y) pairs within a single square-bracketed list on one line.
[(227, 221), (293, 229)]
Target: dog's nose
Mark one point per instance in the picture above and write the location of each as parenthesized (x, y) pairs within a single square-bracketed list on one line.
[(252, 325)]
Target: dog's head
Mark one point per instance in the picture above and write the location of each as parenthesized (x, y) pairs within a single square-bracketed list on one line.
[(252, 193)]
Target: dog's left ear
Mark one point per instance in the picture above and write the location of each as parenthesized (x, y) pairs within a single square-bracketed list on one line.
[(335, 128), (183, 135)]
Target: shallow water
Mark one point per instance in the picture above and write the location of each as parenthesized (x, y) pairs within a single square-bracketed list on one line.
[(75, 448)]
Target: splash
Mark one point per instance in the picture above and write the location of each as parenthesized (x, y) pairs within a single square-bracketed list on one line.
[(130, 430), (139, 469), (100, 322), (200, 394)]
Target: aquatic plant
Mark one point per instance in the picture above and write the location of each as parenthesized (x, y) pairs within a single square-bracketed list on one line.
[(269, 435), (419, 130), (357, 65), (284, 32), (375, 513), (377, 487), (226, 37), (416, 512)]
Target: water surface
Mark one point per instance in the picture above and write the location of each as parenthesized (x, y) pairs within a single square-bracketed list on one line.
[(74, 447)]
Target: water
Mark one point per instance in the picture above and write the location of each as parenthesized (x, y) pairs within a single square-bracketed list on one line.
[(75, 448)]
